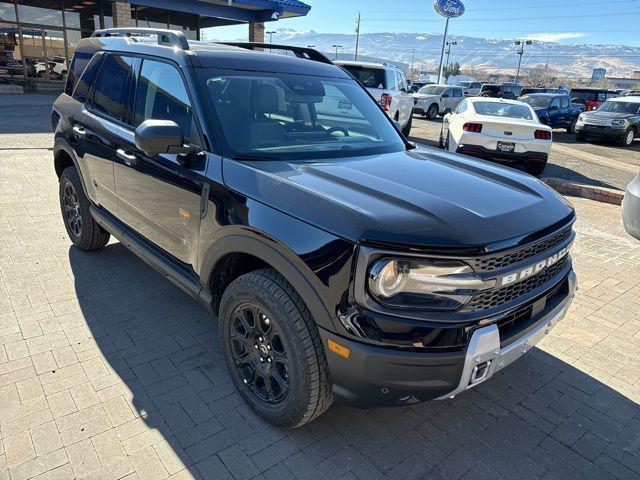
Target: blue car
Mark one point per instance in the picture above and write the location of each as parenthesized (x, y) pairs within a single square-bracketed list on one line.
[(555, 110)]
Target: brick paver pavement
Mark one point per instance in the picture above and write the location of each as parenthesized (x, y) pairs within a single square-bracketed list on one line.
[(107, 371)]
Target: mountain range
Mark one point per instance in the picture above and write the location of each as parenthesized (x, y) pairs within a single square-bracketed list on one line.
[(490, 55)]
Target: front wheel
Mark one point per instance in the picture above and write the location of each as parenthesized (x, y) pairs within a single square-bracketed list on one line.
[(572, 127), (273, 350), (627, 139), (83, 230), (432, 112)]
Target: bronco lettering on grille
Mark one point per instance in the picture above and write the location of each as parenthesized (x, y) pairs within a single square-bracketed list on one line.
[(533, 269)]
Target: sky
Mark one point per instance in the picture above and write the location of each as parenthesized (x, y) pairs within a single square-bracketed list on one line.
[(606, 22)]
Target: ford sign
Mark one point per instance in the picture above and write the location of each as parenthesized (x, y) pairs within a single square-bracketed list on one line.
[(449, 8)]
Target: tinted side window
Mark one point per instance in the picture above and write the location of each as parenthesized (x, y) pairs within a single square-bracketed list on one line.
[(564, 102), (111, 85), (457, 92), (78, 64), (83, 84), (555, 103), (162, 95)]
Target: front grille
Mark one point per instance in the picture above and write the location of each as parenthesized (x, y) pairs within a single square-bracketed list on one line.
[(496, 262), (493, 298), (515, 324)]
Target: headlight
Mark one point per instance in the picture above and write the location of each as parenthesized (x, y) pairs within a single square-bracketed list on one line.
[(618, 123), (423, 283)]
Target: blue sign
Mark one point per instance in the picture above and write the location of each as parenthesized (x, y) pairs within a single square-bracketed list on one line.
[(449, 8)]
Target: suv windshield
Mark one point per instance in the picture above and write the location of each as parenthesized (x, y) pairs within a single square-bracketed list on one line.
[(368, 76), (584, 94), (464, 84), (536, 102), (499, 109), (296, 117), (432, 90), (619, 107)]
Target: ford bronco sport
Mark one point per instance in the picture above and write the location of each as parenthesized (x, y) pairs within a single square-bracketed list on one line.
[(340, 260)]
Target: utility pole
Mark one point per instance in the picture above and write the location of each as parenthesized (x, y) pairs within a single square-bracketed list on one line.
[(521, 44), (355, 55), (444, 39), (337, 47), (546, 65)]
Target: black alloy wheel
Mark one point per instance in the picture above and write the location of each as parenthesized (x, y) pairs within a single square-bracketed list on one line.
[(71, 209), (259, 353)]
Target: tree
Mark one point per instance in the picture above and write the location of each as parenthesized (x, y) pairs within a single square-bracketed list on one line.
[(451, 69)]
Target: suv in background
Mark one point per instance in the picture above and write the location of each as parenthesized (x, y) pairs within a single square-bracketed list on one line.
[(471, 89), (591, 98), (434, 100), (510, 91), (617, 119), (339, 259), (530, 90), (389, 87)]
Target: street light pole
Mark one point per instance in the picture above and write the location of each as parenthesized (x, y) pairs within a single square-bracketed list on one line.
[(337, 47), (271, 35), (449, 44), (521, 44), (355, 55), (413, 53), (444, 39)]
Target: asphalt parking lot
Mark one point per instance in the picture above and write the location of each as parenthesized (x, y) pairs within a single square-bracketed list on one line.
[(600, 164), (107, 371)]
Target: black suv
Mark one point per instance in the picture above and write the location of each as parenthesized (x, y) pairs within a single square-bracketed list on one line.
[(510, 91), (340, 260)]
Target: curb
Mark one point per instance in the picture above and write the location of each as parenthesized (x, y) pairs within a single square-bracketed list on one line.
[(599, 194)]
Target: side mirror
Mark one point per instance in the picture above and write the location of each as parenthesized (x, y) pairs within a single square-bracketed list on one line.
[(154, 137)]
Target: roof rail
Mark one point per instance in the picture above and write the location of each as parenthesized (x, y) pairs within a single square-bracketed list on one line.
[(300, 52), (166, 38)]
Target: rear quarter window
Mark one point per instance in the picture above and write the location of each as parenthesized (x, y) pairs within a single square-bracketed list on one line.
[(78, 64), (85, 79)]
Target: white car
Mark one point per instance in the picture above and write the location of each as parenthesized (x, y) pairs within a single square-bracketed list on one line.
[(506, 131), (57, 68), (388, 85), (434, 100)]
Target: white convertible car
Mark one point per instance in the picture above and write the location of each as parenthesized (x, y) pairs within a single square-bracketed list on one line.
[(505, 131)]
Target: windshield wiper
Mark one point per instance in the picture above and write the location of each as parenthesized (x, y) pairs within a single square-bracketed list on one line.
[(250, 158)]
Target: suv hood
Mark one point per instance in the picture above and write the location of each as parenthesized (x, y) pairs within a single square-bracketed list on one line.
[(416, 198)]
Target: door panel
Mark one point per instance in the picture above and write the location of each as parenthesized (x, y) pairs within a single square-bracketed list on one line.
[(159, 197), (97, 129)]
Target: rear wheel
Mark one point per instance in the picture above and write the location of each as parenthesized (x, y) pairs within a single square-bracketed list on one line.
[(273, 349), (535, 168), (83, 230), (406, 131), (432, 112)]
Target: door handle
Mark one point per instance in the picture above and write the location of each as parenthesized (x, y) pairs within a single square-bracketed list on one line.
[(128, 157), (79, 131)]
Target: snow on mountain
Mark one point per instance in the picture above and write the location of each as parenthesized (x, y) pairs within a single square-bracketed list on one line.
[(495, 55)]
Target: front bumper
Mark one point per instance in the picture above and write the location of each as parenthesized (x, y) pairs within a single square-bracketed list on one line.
[(599, 131), (382, 376)]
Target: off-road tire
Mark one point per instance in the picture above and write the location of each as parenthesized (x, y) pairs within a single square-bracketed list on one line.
[(406, 130), (432, 112), (92, 236), (309, 393)]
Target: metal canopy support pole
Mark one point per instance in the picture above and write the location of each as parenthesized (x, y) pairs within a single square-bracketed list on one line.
[(21, 41), (444, 39)]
